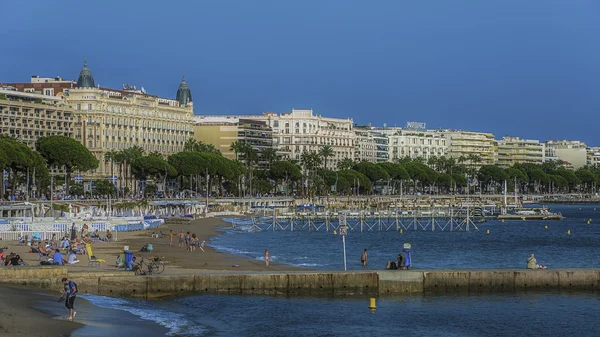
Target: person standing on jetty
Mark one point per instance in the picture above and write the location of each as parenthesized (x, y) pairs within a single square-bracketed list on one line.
[(267, 256), (70, 293), (364, 258)]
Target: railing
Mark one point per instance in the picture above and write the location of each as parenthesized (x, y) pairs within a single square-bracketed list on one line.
[(42, 235)]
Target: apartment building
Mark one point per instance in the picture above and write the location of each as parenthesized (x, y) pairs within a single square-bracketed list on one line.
[(28, 116), (371, 145), (513, 150), (222, 131), (472, 148), (593, 156), (573, 152), (303, 131)]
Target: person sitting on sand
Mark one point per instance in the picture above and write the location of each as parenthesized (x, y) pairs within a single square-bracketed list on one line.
[(87, 240), (108, 236), (72, 259)]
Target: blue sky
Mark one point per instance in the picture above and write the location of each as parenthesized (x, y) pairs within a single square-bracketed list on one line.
[(519, 68)]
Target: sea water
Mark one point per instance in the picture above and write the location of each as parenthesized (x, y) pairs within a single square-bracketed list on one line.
[(507, 246), (486, 315)]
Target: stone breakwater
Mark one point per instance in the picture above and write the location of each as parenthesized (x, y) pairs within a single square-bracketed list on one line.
[(364, 283)]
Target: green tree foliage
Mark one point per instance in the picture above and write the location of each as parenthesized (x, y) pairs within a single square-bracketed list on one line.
[(373, 171), (104, 188), (152, 166), (345, 164), (61, 151)]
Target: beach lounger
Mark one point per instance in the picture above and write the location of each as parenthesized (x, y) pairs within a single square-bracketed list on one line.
[(92, 260)]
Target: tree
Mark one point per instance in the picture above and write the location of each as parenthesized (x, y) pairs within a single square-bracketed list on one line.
[(326, 152), (269, 155), (374, 172), (152, 166), (61, 151), (284, 171), (104, 188), (345, 164)]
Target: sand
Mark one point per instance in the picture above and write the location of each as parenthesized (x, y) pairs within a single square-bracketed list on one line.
[(18, 316), (176, 259)]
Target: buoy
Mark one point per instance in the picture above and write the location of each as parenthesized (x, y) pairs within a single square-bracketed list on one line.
[(502, 220), (334, 232), (546, 227), (569, 232), (400, 231), (372, 304), (487, 231), (594, 208), (523, 218)]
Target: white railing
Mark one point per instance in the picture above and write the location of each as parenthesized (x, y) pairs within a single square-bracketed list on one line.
[(42, 235)]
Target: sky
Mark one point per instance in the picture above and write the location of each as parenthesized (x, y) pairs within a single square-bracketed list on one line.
[(518, 68)]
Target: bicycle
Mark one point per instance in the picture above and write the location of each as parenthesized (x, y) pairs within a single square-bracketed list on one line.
[(155, 266)]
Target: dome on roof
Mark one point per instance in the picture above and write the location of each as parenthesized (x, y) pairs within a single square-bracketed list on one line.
[(85, 79), (184, 94)]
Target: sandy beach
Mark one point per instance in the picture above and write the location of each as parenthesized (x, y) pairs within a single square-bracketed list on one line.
[(19, 316), (32, 312), (177, 259)]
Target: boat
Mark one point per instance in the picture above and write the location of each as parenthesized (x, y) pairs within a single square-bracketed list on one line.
[(531, 214)]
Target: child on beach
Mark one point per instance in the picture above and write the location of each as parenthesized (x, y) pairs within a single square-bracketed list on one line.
[(202, 245)]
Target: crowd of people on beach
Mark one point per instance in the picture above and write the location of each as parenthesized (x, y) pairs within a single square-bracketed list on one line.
[(57, 251)]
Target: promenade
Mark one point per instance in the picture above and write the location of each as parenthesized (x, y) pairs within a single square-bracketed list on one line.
[(310, 283)]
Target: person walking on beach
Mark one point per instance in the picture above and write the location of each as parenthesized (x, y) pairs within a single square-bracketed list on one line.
[(267, 256), (187, 242), (181, 238), (364, 258), (70, 293), (170, 237)]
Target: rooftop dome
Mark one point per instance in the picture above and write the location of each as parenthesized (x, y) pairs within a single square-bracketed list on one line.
[(184, 94), (85, 79)]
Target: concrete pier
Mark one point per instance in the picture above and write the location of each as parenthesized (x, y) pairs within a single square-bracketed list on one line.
[(318, 283)]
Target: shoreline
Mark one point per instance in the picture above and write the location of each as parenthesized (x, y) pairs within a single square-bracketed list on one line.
[(35, 312), (20, 316)]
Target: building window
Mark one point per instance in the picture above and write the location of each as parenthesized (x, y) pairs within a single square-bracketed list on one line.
[(78, 106), (89, 107)]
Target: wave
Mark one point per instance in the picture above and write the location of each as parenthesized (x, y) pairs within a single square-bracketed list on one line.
[(176, 323)]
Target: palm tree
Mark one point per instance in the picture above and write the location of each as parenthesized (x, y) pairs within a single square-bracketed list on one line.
[(237, 147), (190, 145), (326, 152), (268, 155), (345, 164), (110, 157)]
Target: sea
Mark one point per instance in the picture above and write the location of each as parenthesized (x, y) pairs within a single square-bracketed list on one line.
[(569, 243)]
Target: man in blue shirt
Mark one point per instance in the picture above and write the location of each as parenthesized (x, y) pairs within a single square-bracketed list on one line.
[(71, 293), (58, 257)]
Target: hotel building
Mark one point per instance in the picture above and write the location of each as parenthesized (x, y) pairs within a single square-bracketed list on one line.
[(415, 144), (302, 131), (513, 150), (107, 120)]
